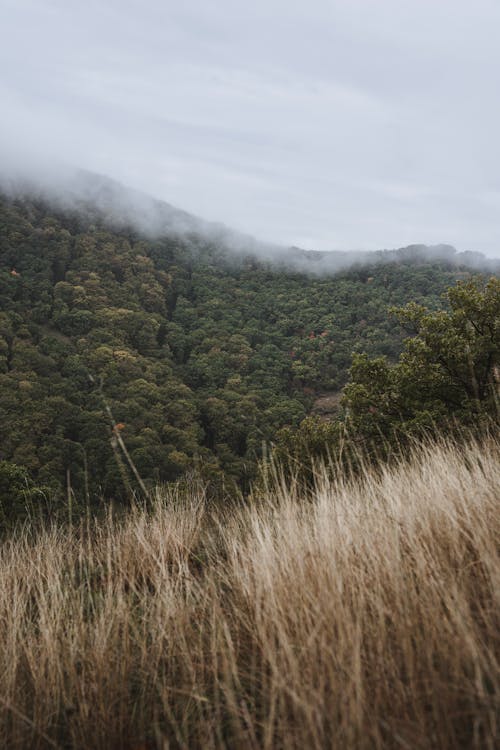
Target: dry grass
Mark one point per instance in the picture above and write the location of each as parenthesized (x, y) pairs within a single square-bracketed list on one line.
[(363, 616)]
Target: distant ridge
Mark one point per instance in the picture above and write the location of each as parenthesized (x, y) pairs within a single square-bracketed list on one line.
[(98, 198)]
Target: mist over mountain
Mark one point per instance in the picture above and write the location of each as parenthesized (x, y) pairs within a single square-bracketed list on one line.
[(206, 342), (95, 197)]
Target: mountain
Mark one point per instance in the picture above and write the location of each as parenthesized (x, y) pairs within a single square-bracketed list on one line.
[(97, 198), (93, 197), (121, 316)]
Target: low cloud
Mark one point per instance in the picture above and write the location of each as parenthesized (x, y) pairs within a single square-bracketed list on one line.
[(97, 198), (328, 125)]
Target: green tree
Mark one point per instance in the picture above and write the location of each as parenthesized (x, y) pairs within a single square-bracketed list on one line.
[(448, 371), (19, 497)]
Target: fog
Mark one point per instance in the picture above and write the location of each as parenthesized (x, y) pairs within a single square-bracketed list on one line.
[(339, 125), (95, 198)]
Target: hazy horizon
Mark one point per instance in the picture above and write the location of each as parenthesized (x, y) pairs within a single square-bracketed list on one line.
[(329, 126)]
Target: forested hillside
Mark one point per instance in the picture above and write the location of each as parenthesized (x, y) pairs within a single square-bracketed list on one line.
[(194, 356)]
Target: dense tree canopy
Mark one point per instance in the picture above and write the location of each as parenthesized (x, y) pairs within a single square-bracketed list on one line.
[(446, 379), (447, 372), (200, 357)]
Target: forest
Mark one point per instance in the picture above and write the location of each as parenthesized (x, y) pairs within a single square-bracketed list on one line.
[(192, 359), (243, 505)]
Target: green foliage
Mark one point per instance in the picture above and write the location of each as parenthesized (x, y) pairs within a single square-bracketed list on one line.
[(19, 497), (203, 356), (447, 373), (446, 379)]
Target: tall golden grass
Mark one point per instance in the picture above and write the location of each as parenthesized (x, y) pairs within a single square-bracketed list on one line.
[(363, 614)]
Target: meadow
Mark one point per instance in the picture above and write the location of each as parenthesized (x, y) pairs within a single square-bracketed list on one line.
[(360, 613)]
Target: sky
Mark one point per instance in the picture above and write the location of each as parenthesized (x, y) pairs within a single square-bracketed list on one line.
[(348, 124)]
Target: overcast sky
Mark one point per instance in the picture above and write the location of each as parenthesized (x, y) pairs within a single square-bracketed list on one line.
[(329, 125)]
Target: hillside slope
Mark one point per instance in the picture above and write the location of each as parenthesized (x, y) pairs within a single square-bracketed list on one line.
[(201, 354)]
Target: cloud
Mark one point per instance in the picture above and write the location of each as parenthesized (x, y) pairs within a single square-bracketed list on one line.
[(342, 124)]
